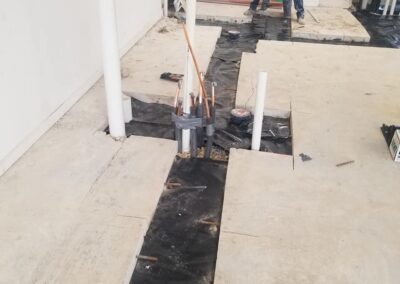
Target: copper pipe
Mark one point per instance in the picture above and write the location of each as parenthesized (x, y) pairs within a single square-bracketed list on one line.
[(197, 70)]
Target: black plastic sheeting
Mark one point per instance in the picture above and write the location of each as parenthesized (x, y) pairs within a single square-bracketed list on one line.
[(151, 120), (225, 62), (384, 31), (154, 120), (185, 247)]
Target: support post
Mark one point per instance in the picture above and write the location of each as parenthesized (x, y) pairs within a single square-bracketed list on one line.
[(165, 8), (385, 10), (364, 4), (112, 69), (189, 69), (259, 111), (393, 7)]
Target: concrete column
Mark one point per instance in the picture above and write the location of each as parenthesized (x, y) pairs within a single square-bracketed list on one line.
[(259, 110), (112, 69), (189, 69)]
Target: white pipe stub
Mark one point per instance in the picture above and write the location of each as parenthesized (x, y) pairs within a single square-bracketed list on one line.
[(259, 110)]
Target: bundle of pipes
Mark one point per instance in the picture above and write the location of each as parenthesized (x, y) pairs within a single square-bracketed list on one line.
[(196, 121), (201, 117)]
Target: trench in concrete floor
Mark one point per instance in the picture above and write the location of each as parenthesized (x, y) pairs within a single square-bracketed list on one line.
[(181, 243)]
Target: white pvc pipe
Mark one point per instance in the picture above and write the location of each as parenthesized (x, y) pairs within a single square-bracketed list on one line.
[(127, 107), (364, 4), (189, 69), (259, 110), (112, 69), (385, 10), (165, 6), (394, 2)]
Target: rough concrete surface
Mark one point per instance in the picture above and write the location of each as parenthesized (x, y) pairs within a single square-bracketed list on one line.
[(330, 24), (75, 207), (289, 221), (162, 50), (221, 12)]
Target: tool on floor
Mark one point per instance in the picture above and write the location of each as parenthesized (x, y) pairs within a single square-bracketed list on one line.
[(211, 223), (345, 163), (304, 157), (313, 16), (149, 258), (171, 77)]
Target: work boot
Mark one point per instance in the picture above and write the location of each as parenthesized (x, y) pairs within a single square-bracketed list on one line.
[(301, 21), (262, 12), (249, 12)]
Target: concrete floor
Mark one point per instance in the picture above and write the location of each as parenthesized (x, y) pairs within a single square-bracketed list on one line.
[(330, 24), (289, 221), (75, 207), (220, 12), (161, 51)]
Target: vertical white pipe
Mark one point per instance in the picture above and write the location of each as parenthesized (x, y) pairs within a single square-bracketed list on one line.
[(394, 2), (259, 110), (165, 6), (112, 69), (385, 10), (189, 69), (127, 107), (364, 4)]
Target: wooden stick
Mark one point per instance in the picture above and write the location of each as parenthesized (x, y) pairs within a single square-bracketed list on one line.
[(345, 163), (149, 258), (205, 222), (197, 70)]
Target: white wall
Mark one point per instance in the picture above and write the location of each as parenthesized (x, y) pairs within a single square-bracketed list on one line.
[(50, 55)]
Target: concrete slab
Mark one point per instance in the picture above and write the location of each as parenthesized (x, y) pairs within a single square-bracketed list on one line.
[(316, 222), (288, 81), (222, 12), (162, 50), (75, 207), (345, 4), (330, 24)]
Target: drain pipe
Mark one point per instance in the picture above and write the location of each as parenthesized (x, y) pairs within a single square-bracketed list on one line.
[(112, 69), (259, 111), (189, 69), (165, 6)]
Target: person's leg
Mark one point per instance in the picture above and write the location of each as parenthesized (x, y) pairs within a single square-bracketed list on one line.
[(265, 5), (254, 4), (253, 7), (299, 6), (287, 9)]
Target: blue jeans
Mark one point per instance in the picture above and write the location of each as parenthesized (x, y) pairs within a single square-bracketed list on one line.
[(298, 5), (254, 4)]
